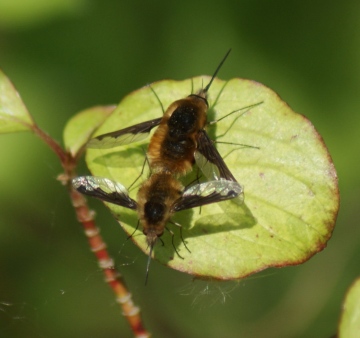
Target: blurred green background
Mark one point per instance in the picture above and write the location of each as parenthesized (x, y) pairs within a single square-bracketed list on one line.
[(64, 56)]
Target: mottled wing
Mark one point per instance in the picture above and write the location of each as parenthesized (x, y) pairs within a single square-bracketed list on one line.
[(104, 189), (127, 135), (206, 193), (210, 161)]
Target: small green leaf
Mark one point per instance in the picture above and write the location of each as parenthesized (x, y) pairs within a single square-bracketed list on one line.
[(350, 318), (14, 116), (80, 127), (290, 183)]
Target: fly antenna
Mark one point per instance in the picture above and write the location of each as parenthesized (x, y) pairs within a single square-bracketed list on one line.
[(216, 71)]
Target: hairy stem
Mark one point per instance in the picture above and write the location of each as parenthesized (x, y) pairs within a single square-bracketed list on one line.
[(86, 217), (106, 263)]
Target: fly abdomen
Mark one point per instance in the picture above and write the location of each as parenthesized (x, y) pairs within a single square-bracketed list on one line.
[(178, 150)]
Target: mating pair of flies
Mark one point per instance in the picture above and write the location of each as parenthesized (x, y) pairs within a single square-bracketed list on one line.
[(179, 141)]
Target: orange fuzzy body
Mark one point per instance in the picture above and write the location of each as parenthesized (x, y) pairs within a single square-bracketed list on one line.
[(174, 142)]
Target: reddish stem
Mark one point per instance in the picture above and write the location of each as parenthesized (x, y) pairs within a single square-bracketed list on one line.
[(97, 245), (106, 263), (54, 146)]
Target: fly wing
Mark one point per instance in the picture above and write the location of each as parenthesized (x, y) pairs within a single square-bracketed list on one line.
[(127, 135), (105, 190), (206, 193), (210, 161)]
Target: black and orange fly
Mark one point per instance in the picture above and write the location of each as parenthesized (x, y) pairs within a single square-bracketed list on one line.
[(179, 141)]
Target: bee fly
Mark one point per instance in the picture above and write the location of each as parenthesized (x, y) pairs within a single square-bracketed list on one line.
[(158, 198), (179, 141)]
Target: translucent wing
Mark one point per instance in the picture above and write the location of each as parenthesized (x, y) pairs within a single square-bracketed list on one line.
[(208, 192), (210, 161), (105, 190), (127, 135)]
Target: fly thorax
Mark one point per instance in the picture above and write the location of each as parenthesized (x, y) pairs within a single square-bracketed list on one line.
[(183, 121), (154, 212)]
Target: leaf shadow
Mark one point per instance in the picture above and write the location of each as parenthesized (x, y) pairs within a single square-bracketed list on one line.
[(235, 215)]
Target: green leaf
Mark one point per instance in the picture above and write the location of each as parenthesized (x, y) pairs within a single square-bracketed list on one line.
[(14, 116), (350, 318), (290, 183), (80, 127), (21, 13)]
